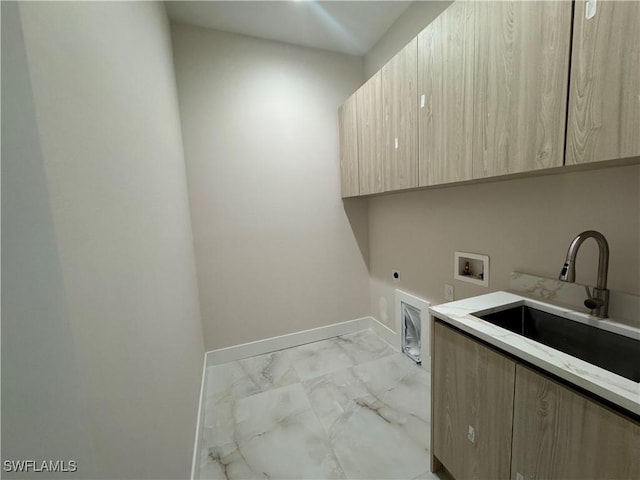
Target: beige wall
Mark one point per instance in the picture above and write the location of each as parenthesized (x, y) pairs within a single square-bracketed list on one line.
[(408, 25), (44, 408), (524, 224), (102, 245), (274, 247)]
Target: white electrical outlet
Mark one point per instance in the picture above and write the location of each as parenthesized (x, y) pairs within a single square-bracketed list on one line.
[(448, 292), (395, 276), (471, 434)]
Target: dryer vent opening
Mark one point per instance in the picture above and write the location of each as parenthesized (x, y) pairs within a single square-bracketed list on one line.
[(411, 332)]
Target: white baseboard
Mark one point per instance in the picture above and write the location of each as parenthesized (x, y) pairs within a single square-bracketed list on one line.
[(260, 347), (388, 335)]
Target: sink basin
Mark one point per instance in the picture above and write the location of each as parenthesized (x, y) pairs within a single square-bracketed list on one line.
[(613, 352)]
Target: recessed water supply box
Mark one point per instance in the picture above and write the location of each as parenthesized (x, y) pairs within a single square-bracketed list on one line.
[(471, 267)]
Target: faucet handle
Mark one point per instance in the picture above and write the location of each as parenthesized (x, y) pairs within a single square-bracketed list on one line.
[(594, 300), (593, 304)]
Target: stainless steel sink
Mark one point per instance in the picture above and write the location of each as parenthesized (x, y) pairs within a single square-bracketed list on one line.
[(613, 352)]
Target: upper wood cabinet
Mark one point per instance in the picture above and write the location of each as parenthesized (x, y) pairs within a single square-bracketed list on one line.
[(348, 129), (445, 95), (558, 433), (472, 394), (400, 110), (492, 92), (370, 136), (520, 85), (604, 98)]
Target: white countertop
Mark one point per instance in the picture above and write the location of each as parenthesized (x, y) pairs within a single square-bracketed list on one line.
[(619, 390)]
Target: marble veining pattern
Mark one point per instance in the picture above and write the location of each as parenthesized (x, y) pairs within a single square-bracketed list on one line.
[(347, 407), (608, 385)]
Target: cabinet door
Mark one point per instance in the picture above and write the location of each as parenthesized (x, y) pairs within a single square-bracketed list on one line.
[(445, 86), (473, 406), (521, 72), (558, 433), (604, 98), (400, 92), (370, 135), (348, 127)]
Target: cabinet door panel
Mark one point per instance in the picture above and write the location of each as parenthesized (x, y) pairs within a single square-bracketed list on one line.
[(604, 98), (400, 92), (521, 73), (558, 433), (348, 127), (445, 118), (472, 389), (370, 135)]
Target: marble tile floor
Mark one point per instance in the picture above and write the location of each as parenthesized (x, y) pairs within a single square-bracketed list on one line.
[(346, 407)]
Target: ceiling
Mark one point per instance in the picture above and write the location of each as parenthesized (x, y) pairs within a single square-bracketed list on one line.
[(351, 27)]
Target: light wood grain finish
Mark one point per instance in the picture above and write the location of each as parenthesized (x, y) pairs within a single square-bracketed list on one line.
[(521, 72), (348, 127), (445, 71), (472, 386), (434, 463), (400, 92), (370, 135), (604, 98), (561, 434)]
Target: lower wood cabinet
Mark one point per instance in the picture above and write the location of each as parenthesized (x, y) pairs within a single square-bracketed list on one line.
[(559, 433), (472, 406), (494, 418)]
